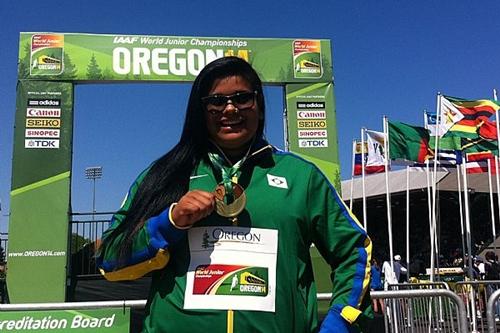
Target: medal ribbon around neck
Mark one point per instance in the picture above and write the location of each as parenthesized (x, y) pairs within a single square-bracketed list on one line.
[(230, 197), (227, 174)]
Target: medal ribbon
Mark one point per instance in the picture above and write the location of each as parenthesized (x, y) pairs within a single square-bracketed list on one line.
[(227, 173)]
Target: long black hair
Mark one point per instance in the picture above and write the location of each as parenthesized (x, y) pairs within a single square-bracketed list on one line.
[(168, 177)]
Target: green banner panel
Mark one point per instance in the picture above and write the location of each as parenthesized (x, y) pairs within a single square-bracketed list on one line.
[(312, 129), (41, 165), (74, 321), (49, 65), (90, 57)]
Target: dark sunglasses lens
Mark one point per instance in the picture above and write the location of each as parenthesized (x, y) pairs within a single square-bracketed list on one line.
[(243, 98), (216, 100)]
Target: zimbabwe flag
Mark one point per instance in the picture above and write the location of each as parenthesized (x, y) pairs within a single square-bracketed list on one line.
[(475, 112)]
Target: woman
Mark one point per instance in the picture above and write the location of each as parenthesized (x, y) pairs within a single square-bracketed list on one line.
[(225, 222), (376, 285)]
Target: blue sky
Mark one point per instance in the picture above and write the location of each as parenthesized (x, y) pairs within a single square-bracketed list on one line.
[(389, 57)]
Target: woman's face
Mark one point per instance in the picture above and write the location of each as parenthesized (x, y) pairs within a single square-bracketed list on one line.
[(233, 122)]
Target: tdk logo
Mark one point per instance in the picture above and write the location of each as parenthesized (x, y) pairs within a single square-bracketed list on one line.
[(38, 143)]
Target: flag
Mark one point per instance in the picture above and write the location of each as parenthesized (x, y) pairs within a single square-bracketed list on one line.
[(449, 157), (473, 111), (445, 159), (478, 162), (408, 142), (479, 145), (446, 142), (358, 155), (449, 115), (375, 160), (488, 129), (371, 167)]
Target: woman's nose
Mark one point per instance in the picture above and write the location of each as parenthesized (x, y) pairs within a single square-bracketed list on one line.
[(230, 108)]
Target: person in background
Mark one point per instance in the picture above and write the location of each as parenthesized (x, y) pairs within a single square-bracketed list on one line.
[(399, 269), (376, 285), (478, 262), (389, 276), (224, 202)]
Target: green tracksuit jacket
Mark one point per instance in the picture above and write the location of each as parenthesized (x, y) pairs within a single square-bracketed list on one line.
[(284, 193)]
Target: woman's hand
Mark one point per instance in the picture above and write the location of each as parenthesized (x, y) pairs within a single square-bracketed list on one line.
[(192, 207)]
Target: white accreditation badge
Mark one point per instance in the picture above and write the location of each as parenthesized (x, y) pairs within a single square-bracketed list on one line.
[(232, 268)]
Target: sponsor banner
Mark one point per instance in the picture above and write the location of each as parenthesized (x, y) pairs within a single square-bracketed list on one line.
[(41, 143), (41, 133), (39, 112), (307, 58), (313, 133), (232, 268), (310, 143), (99, 57), (314, 139), (43, 122), (77, 321), (311, 124), (319, 114), (39, 214)]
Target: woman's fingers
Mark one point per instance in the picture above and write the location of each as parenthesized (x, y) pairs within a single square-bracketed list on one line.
[(192, 207)]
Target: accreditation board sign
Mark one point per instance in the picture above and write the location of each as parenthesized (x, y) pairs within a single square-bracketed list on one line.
[(50, 66), (68, 321)]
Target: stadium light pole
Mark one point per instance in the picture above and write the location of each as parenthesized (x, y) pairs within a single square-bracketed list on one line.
[(93, 173)]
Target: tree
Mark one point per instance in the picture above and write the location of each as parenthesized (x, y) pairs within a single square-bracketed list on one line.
[(70, 70), (93, 70), (24, 63)]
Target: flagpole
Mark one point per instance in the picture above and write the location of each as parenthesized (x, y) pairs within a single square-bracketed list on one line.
[(352, 174), (434, 181), (467, 221), (429, 196), (388, 195), (363, 152), (497, 159), (492, 208), (408, 221), (469, 242), (461, 211)]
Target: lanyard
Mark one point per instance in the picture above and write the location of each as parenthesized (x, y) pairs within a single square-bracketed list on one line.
[(228, 173)]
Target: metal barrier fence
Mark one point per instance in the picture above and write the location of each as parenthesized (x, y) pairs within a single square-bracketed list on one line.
[(136, 304), (404, 315), (492, 311), (475, 295), (84, 241), (422, 310)]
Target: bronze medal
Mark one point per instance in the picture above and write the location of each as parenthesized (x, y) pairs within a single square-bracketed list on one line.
[(234, 208)]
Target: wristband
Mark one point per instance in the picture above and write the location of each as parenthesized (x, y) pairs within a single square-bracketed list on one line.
[(172, 220)]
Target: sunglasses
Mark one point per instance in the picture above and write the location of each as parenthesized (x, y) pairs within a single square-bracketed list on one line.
[(241, 100)]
